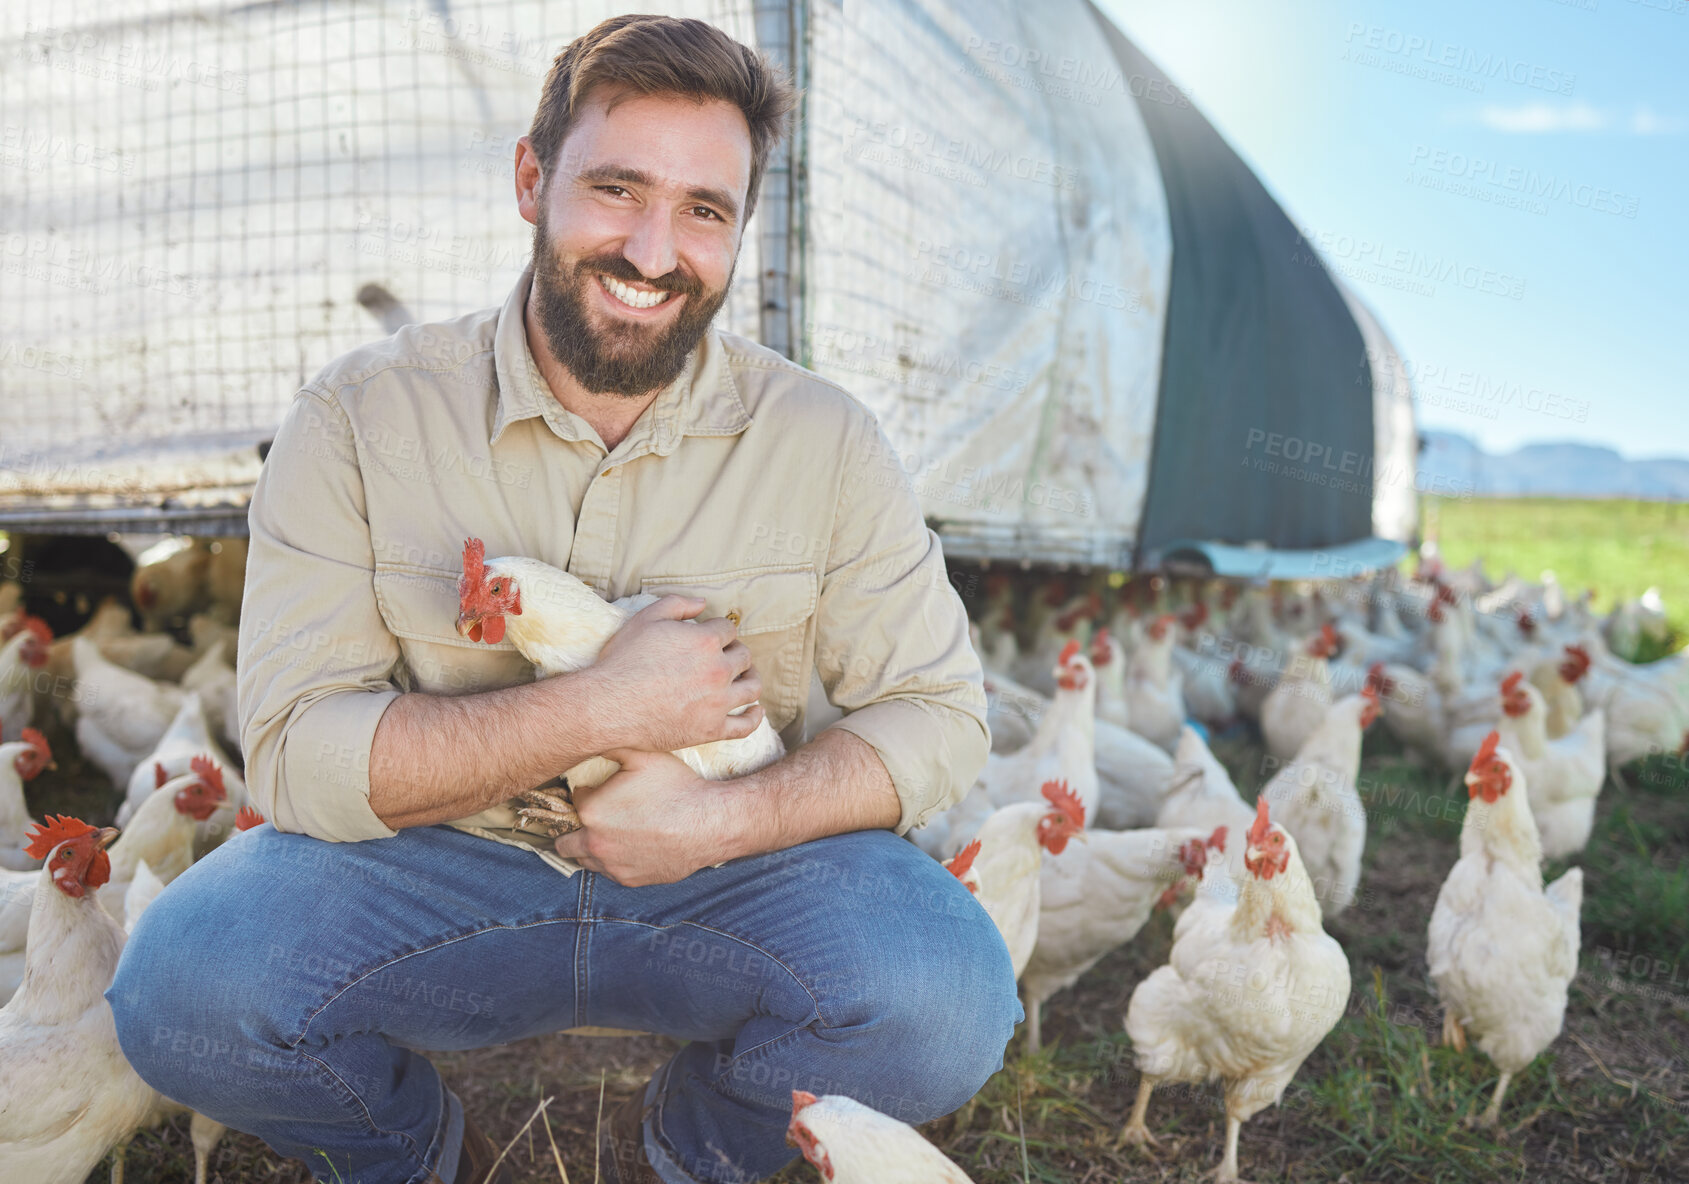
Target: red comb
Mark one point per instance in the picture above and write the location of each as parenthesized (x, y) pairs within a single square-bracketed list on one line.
[(36, 741), (474, 560), (1217, 840), (43, 632), (959, 863), (248, 818), (210, 774), (1576, 664), (800, 1099), (1511, 682), (1069, 652), (1065, 800), (1486, 750), (44, 836), (1258, 832)]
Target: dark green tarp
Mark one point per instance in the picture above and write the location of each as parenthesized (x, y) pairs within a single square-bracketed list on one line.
[(1264, 428)]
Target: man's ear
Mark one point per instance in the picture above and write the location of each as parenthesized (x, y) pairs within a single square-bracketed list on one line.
[(530, 181)]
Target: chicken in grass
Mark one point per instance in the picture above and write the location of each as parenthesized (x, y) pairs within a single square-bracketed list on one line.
[(67, 1095), (162, 829), (22, 655), (558, 623), (1502, 949), (1251, 987), (1096, 896), (189, 736), (1565, 775), (1294, 709), (849, 1143), (1002, 865), (1062, 749), (1315, 798), (21, 761)]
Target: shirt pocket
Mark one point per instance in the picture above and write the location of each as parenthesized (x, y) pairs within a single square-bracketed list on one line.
[(419, 607), (772, 608)]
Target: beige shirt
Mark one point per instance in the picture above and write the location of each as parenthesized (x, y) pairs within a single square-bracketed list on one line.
[(749, 481)]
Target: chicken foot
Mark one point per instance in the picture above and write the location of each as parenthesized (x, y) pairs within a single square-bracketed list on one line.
[(552, 812), (1136, 1133), (1492, 1115), (1226, 1173), (1454, 1036)]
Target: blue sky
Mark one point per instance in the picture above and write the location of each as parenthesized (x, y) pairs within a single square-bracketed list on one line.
[(1537, 149)]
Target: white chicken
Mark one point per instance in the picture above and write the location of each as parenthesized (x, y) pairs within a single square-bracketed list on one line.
[(1201, 795), (161, 831), (1097, 894), (1253, 984), (1564, 776), (1132, 777), (557, 622), (1502, 949), (214, 679), (120, 715), (20, 761), (22, 655), (188, 736), (67, 1095), (1558, 682), (1108, 659), (1295, 707), (1006, 857), (1155, 699), (1062, 749), (1315, 798), (849, 1143)]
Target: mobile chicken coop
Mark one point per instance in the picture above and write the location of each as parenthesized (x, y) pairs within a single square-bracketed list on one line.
[(1091, 335)]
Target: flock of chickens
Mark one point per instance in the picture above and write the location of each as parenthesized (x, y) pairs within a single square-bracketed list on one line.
[(1100, 803)]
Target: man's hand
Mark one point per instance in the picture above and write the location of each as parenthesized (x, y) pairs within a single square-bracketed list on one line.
[(670, 682), (653, 822)]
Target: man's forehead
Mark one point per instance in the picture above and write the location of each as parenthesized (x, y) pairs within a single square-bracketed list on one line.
[(673, 142)]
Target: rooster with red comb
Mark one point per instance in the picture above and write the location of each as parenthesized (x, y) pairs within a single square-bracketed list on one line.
[(1285, 986), (59, 1056), (1502, 948)]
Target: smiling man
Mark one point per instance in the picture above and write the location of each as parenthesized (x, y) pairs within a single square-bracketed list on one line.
[(289, 983)]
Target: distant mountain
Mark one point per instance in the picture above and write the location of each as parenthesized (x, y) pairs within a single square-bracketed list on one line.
[(1453, 463)]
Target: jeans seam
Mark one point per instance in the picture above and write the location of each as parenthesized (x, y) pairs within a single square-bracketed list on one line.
[(582, 940), (815, 1004), (310, 1018), (369, 1119)]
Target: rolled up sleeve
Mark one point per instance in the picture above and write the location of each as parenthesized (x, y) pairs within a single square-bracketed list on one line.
[(892, 647), (316, 658)]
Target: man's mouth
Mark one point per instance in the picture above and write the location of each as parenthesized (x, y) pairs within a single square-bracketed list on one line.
[(629, 295)]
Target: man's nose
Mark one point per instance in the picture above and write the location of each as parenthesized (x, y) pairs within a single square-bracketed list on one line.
[(651, 244)]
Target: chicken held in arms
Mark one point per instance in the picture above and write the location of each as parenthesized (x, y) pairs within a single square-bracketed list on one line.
[(557, 622)]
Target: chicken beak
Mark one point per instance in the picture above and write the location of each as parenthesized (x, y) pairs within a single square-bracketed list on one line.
[(106, 836), (1471, 779), (1078, 836), (466, 622)]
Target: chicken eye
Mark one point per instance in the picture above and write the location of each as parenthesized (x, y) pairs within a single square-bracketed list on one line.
[(497, 588)]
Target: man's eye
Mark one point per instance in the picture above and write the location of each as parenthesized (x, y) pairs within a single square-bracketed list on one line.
[(613, 190), (706, 212)]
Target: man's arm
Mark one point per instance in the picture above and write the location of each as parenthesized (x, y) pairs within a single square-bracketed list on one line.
[(335, 750), (892, 649)]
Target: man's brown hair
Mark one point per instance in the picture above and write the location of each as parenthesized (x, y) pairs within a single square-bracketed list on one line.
[(666, 55)]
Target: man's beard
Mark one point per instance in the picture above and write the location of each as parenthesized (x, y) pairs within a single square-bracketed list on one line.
[(623, 359)]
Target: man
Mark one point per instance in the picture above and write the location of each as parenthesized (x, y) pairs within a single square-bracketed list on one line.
[(285, 984)]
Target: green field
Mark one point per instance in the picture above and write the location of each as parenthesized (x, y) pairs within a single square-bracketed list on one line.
[(1619, 548)]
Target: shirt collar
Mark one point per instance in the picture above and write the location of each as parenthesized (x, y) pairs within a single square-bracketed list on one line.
[(703, 401)]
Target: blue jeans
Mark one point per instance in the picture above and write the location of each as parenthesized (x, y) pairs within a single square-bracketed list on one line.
[(282, 986)]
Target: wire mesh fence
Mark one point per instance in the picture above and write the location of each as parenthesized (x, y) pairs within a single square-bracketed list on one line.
[(202, 205)]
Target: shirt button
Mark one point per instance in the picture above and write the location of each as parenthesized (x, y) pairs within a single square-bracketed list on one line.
[(733, 615)]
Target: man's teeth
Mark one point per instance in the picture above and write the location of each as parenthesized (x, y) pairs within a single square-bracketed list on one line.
[(632, 296)]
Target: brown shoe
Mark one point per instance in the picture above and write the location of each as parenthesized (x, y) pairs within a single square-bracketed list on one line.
[(621, 1145), (475, 1160)]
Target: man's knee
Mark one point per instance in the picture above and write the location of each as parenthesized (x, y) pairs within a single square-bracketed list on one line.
[(935, 988)]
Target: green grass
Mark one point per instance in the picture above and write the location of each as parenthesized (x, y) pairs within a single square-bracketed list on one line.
[(1620, 548)]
